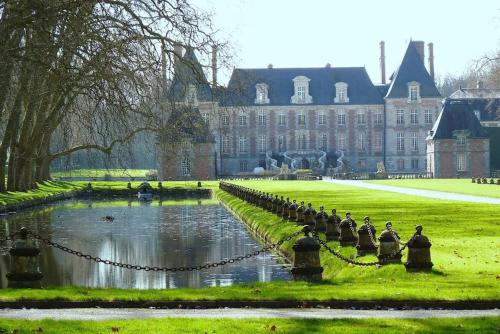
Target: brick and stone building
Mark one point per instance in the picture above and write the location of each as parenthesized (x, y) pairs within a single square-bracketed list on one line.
[(327, 118), (458, 145)]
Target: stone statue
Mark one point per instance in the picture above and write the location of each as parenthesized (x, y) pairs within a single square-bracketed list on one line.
[(284, 168)]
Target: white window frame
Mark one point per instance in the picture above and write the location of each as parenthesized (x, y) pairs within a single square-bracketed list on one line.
[(243, 144), (186, 166), (414, 164), (379, 118), (400, 163), (413, 116), (361, 141), (341, 141), (414, 92), (302, 142), (206, 118), (341, 92), (281, 143), (261, 94), (321, 118), (400, 141), (414, 141), (301, 90), (225, 120), (478, 114), (226, 144), (461, 139), (242, 119), (262, 144), (261, 118), (244, 166), (461, 161), (341, 117), (301, 118), (400, 117), (378, 142), (428, 118), (282, 118), (361, 117), (323, 141)]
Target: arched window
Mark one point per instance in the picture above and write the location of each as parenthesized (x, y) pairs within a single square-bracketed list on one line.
[(341, 93)]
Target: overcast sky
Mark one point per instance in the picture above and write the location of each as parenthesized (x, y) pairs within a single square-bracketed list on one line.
[(311, 33)]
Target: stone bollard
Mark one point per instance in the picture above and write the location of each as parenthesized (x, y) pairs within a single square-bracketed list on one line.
[(160, 186), (129, 185), (473, 180), (419, 253), (306, 262), (366, 238), (292, 211), (321, 218), (24, 264), (300, 213), (389, 244), (333, 226), (89, 186), (285, 213), (199, 184), (309, 215), (279, 207), (348, 235)]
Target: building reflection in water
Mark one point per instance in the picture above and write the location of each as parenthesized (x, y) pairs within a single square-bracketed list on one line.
[(166, 235)]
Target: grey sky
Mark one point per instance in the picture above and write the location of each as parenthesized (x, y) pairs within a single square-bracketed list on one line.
[(298, 33)]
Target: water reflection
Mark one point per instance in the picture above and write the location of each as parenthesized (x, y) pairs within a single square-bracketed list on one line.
[(156, 234)]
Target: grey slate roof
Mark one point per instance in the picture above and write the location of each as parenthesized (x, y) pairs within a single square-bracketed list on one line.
[(457, 115), (241, 87), (188, 70), (486, 100), (412, 68)]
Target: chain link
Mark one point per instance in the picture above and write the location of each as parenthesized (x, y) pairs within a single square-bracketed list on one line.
[(371, 235), (270, 246)]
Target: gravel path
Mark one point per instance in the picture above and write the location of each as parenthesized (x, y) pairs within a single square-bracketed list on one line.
[(418, 192), (117, 314)]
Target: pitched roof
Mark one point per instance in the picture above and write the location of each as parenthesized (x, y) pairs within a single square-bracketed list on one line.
[(412, 68), (188, 71), (241, 87), (476, 93), (457, 115)]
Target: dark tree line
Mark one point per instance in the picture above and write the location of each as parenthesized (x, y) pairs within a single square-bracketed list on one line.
[(89, 72)]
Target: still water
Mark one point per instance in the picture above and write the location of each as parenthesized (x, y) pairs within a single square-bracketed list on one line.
[(163, 234)]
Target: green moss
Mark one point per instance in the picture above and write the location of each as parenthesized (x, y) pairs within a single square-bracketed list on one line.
[(487, 325)]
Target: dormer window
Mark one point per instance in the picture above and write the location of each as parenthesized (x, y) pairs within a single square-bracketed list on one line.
[(191, 96), (413, 92), (261, 94), (341, 93), (478, 114), (301, 90)]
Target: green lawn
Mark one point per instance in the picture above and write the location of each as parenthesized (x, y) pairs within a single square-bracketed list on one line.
[(465, 238), (488, 325), (101, 173), (460, 186)]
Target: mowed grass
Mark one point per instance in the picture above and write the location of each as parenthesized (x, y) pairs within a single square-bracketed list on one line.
[(51, 188), (460, 186), (487, 325), (465, 241), (101, 173)]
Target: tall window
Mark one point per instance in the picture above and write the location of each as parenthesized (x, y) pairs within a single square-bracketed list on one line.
[(301, 92), (361, 117), (378, 118), (401, 164), (225, 144), (377, 142), (262, 144), (413, 116), (400, 116), (186, 166), (428, 116), (282, 118), (414, 164), (225, 120), (301, 119), (414, 141), (361, 141), (323, 141), (341, 117), (243, 166), (262, 117), (281, 143), (243, 119), (321, 118), (206, 118), (302, 142), (242, 145), (341, 141), (400, 137), (461, 139), (461, 162), (413, 91)]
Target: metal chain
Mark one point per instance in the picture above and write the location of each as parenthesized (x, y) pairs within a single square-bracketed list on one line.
[(163, 269), (352, 227), (371, 235)]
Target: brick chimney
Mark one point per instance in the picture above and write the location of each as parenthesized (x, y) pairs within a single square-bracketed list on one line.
[(214, 66), (431, 59), (382, 61), (420, 45)]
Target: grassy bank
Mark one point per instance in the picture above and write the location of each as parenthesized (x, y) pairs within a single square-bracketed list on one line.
[(90, 173), (460, 186), (487, 325), (465, 239)]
